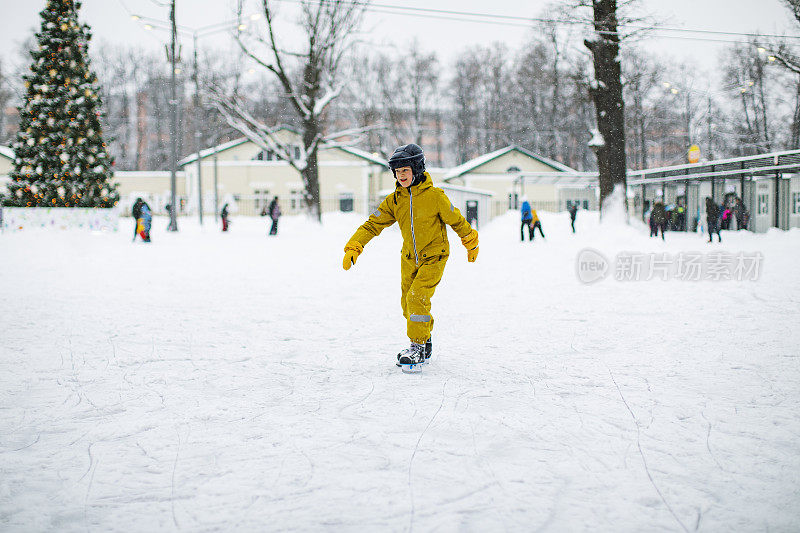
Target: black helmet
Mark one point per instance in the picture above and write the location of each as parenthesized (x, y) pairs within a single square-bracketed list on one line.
[(409, 155)]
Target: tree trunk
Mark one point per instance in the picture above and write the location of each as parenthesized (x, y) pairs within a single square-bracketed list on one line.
[(311, 171), (607, 96), (760, 72)]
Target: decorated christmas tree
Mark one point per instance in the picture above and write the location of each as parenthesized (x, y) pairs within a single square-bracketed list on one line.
[(60, 156)]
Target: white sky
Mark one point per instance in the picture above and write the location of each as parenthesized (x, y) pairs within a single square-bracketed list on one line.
[(111, 22)]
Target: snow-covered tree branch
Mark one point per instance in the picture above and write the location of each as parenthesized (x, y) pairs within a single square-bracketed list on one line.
[(308, 75)]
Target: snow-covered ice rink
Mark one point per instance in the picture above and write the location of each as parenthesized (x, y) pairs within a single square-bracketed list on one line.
[(237, 382)]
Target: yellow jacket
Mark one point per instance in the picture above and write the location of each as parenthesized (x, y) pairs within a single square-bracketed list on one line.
[(535, 218), (422, 212)]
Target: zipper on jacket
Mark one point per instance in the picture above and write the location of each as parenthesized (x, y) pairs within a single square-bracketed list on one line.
[(411, 211)]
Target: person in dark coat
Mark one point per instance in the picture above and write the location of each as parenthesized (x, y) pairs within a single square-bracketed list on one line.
[(573, 212), (274, 213), (745, 215), (224, 216), (526, 218), (658, 220), (712, 219), (168, 209)]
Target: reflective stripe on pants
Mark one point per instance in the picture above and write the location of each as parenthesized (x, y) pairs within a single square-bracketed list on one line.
[(418, 284)]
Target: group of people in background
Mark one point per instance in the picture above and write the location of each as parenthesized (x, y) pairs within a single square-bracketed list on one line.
[(142, 214), (530, 219), (718, 217)]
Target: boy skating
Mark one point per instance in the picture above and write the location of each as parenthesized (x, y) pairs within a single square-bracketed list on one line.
[(422, 211)]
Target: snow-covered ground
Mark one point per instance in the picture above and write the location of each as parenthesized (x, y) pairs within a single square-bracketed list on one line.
[(237, 382)]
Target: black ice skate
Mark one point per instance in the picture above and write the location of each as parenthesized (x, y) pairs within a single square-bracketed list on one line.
[(412, 358), (428, 351)]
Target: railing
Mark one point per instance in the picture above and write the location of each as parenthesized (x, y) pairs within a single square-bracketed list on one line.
[(251, 205)]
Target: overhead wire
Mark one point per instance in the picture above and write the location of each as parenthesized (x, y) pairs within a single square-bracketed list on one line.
[(518, 20)]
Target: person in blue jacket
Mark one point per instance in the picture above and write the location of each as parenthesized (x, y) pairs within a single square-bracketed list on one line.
[(527, 217)]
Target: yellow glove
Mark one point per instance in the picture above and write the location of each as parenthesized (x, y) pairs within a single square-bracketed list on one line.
[(470, 242), (351, 252)]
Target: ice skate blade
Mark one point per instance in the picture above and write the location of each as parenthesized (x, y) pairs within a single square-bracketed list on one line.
[(414, 368)]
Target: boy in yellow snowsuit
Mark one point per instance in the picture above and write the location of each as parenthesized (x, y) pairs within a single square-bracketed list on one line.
[(422, 211)]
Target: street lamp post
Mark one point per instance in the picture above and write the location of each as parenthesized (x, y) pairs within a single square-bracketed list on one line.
[(216, 176), (171, 52), (173, 123), (198, 134)]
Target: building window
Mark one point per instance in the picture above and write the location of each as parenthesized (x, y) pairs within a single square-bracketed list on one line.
[(296, 199), (796, 203), (763, 204), (297, 152), (346, 202), (266, 155), (513, 200), (586, 204), (260, 199)]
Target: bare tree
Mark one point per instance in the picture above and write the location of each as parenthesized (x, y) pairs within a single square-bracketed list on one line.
[(409, 86), (308, 77), (743, 70), (787, 56), (480, 92), (465, 89), (496, 78)]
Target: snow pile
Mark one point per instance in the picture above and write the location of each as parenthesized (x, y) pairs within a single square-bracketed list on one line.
[(597, 140), (213, 381)]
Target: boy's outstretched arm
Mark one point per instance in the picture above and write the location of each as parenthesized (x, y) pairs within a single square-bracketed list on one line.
[(378, 220), (451, 216)]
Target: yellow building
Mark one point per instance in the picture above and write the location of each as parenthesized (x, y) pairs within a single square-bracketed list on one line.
[(501, 173), (247, 177), (6, 165), (152, 186)]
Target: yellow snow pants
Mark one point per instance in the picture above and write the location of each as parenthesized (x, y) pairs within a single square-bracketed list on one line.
[(417, 286)]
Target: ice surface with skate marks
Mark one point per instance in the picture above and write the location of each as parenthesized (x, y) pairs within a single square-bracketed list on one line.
[(212, 381)]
